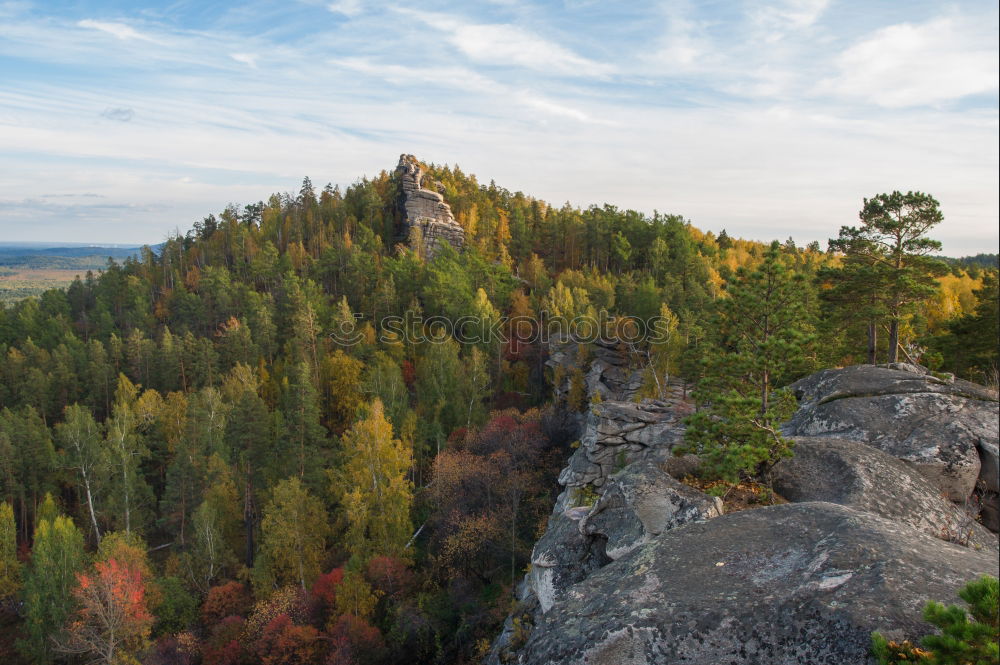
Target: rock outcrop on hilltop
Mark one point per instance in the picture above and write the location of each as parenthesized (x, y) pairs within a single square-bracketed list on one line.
[(857, 475), (638, 568), (944, 427), (609, 373), (425, 211), (783, 585)]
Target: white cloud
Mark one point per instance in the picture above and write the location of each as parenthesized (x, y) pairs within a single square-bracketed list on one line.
[(119, 30), (789, 15), (247, 59), (684, 47), (911, 65), (467, 80), (507, 44), (346, 7)]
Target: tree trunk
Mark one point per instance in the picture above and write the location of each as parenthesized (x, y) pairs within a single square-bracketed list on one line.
[(872, 342), (90, 505), (248, 521), (893, 340)]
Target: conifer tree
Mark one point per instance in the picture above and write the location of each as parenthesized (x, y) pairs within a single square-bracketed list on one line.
[(763, 329), (890, 253)]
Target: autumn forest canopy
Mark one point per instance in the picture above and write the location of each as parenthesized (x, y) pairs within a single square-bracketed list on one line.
[(189, 456)]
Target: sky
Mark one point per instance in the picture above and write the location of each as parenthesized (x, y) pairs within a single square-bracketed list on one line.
[(123, 121)]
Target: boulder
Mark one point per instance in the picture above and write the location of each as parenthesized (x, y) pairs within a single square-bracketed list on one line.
[(787, 584), (562, 556), (939, 425), (641, 502), (856, 475)]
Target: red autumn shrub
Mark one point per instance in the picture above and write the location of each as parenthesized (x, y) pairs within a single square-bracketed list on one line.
[(354, 641), (284, 643), (231, 599), (389, 575), (223, 646), (324, 589)]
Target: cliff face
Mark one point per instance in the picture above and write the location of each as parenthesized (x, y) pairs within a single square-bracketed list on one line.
[(636, 567), (425, 211)]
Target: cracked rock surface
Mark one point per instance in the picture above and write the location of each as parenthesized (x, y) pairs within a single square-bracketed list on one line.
[(788, 584), (945, 428)]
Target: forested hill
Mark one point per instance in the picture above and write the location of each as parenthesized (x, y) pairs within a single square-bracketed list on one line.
[(230, 422)]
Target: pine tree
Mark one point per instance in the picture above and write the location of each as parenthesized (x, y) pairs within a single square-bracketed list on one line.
[(890, 250), (763, 326), (300, 407)]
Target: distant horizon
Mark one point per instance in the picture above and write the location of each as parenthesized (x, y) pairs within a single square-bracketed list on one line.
[(139, 245)]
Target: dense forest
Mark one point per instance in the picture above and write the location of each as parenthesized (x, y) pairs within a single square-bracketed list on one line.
[(190, 456)]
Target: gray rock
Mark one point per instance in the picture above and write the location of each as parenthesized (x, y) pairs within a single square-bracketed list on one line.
[(783, 585), (608, 374), (989, 472), (641, 502), (579, 471), (562, 557), (681, 466), (617, 434), (426, 210), (935, 424), (856, 475)]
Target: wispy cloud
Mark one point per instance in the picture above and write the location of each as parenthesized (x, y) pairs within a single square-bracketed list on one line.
[(785, 16), (511, 45), (247, 59), (347, 7), (916, 64), (121, 114), (119, 30)]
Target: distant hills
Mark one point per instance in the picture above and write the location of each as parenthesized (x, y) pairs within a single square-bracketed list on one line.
[(64, 256), (979, 260)]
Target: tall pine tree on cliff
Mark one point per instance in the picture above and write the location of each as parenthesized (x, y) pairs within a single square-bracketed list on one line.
[(889, 253), (763, 338)]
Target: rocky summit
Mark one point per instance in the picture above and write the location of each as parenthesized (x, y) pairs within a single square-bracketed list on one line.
[(889, 497), (944, 427), (427, 218)]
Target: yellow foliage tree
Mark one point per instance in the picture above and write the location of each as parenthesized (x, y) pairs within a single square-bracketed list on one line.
[(293, 535), (10, 567), (373, 487)]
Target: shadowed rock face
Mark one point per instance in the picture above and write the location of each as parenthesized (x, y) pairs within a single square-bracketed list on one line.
[(609, 374), (946, 428), (426, 210), (641, 502), (619, 433), (796, 583), (856, 475)]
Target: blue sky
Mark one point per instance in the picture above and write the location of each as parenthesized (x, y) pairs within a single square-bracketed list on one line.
[(122, 121)]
